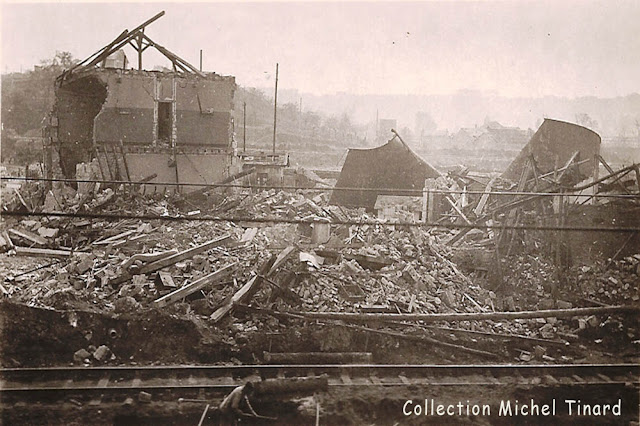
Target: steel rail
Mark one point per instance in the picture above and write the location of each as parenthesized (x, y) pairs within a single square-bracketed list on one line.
[(221, 378)]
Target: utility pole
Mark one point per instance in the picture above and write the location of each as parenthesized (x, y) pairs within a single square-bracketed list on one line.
[(244, 127), (200, 60), (300, 119), (275, 112)]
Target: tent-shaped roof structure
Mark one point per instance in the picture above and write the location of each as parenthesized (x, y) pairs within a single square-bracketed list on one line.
[(553, 144), (391, 166)]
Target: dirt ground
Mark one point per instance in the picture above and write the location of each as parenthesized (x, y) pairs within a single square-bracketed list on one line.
[(348, 406)]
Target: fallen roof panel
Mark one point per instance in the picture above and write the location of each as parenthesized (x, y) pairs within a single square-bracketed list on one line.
[(390, 166), (553, 145)]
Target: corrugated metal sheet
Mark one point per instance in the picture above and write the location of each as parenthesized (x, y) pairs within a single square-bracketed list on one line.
[(393, 165), (554, 143)]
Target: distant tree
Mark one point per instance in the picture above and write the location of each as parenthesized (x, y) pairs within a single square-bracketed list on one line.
[(425, 124), (8, 146), (60, 61), (585, 120), (407, 135), (27, 97)]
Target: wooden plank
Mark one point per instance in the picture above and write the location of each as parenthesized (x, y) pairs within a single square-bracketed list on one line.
[(251, 285), (249, 235), (280, 259), (168, 261), (225, 309), (184, 254), (40, 252), (29, 236), (24, 203), (198, 284), (610, 170), (115, 237), (485, 197), (148, 257), (103, 383), (8, 239)]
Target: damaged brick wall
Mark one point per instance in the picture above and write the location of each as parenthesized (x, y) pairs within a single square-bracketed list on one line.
[(77, 104), (176, 125)]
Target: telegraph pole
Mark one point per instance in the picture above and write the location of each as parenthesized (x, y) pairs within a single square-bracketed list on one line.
[(275, 112), (244, 127)]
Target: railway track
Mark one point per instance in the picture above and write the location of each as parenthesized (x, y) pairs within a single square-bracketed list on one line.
[(62, 382)]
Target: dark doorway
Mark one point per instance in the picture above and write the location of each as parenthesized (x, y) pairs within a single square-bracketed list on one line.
[(165, 121), (78, 103)]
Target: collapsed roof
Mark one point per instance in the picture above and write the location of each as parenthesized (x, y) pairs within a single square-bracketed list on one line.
[(553, 145), (391, 166)]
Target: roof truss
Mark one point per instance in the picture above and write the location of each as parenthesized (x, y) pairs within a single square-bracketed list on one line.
[(140, 42)]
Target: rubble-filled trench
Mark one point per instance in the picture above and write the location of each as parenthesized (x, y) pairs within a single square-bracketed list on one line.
[(97, 304)]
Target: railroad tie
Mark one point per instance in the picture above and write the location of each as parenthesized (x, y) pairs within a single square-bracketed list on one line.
[(103, 383), (346, 379), (605, 378), (578, 378), (493, 379), (375, 379)]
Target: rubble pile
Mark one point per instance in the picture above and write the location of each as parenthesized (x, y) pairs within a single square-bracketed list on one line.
[(611, 283), (396, 271), (531, 281), (192, 270)]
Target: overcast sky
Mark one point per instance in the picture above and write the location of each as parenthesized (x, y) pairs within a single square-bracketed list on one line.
[(514, 48)]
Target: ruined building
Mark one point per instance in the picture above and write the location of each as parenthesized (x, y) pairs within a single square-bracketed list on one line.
[(175, 124)]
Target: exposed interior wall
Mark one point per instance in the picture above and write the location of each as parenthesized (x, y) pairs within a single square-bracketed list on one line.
[(128, 113), (137, 104), (204, 111), (77, 104)]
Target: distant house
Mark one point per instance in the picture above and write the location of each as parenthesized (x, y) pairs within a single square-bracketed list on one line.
[(440, 140), (502, 138), (491, 135), (399, 207)]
